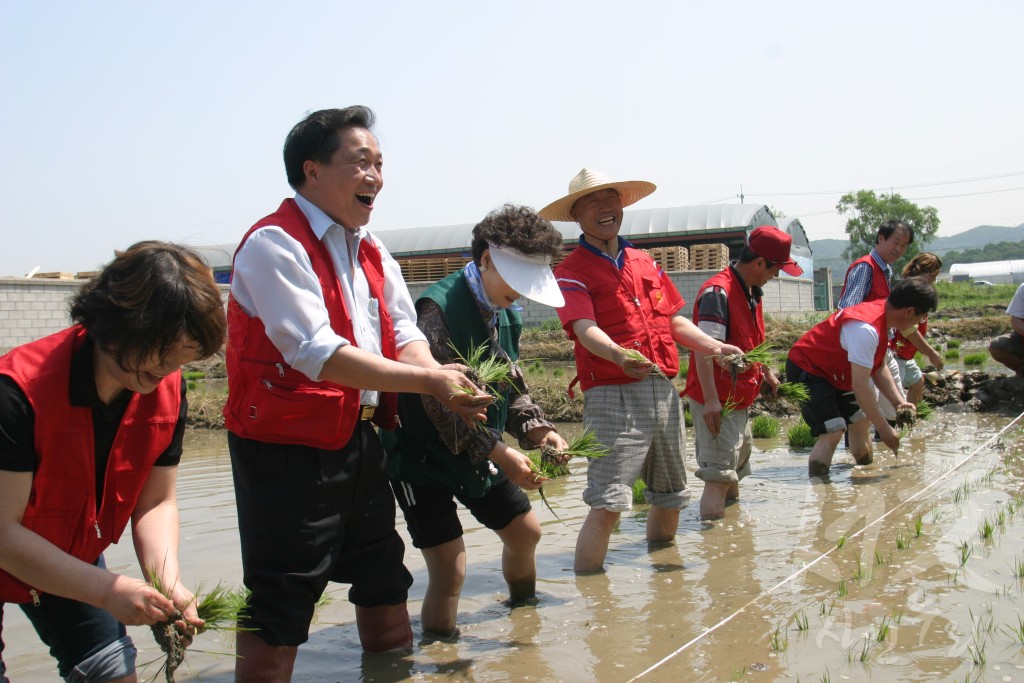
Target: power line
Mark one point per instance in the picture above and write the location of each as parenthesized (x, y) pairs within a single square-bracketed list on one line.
[(890, 188)]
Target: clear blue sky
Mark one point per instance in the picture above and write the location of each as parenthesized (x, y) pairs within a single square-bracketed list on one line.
[(127, 120)]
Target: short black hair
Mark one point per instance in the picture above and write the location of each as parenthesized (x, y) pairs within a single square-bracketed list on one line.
[(142, 302), (886, 229), (517, 227), (917, 291), (317, 137)]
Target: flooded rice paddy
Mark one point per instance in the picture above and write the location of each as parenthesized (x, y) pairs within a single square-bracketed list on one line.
[(910, 569)]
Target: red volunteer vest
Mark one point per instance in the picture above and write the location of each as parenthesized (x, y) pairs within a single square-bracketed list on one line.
[(820, 353), (267, 399), (879, 280), (903, 348), (745, 331), (631, 306), (62, 505)]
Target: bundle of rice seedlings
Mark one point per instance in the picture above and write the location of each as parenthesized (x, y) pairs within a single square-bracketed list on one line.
[(586, 445), (800, 436), (762, 353), (634, 354), (536, 470), (638, 491), (925, 410), (729, 406), (546, 466), (764, 426), (794, 392), (905, 417), (219, 607), (485, 369)]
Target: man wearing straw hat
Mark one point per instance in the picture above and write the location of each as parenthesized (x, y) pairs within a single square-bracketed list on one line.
[(624, 317)]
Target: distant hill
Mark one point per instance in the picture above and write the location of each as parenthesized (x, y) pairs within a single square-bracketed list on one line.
[(829, 253)]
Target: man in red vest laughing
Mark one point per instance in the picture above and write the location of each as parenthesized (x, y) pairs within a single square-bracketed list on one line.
[(321, 333)]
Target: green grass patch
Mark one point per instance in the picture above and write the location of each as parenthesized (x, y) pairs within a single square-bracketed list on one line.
[(638, 491), (193, 374), (764, 426), (953, 344), (975, 358), (952, 354), (800, 435)]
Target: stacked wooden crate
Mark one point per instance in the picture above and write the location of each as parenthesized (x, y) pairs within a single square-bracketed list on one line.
[(670, 259), (709, 256), (54, 276), (430, 269)]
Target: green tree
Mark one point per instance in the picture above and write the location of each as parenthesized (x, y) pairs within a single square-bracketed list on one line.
[(866, 211)]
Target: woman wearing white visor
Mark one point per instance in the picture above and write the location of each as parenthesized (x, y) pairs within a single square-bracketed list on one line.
[(435, 457)]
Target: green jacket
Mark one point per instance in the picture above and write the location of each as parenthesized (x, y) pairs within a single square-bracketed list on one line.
[(416, 453)]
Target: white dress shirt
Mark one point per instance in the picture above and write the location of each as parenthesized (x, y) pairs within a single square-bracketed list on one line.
[(274, 281)]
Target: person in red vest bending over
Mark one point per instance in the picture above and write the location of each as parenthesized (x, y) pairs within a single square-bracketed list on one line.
[(837, 360), (617, 300), (321, 332), (729, 309), (869, 278), (91, 427)]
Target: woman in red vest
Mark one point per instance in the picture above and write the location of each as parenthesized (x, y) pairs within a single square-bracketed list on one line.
[(91, 426), (907, 343)]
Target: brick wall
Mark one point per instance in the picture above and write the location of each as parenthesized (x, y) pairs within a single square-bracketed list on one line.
[(34, 308)]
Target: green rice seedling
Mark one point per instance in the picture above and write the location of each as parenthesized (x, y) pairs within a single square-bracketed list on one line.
[(966, 550), (897, 617), (977, 651), (764, 426), (794, 392), (1018, 568), (540, 490), (841, 542), (546, 467), (861, 572), (684, 369), (487, 370), (1016, 632), (762, 353), (841, 589), (778, 640), (953, 344), (190, 385), (952, 354), (865, 653), (986, 529), (825, 678), (800, 436), (975, 359), (219, 607), (729, 406), (586, 445), (634, 354), (638, 491), (879, 559), (902, 542), (801, 621), (883, 629), (1000, 517), (558, 372), (918, 527), (193, 374), (925, 409)]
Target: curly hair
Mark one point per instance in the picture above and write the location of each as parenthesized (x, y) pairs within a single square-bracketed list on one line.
[(146, 298), (925, 263), (516, 227)]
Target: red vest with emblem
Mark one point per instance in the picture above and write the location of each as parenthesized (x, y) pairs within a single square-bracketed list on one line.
[(902, 346), (270, 401), (631, 306), (62, 505), (819, 351), (879, 280), (745, 330)]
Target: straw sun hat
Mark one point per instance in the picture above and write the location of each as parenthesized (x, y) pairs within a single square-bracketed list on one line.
[(587, 181)]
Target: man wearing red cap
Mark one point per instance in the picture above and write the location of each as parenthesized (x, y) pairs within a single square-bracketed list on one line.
[(728, 308)]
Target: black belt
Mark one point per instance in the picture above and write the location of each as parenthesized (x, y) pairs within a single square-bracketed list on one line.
[(366, 412)]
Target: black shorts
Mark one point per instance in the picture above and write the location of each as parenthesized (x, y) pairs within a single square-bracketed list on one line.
[(307, 516), (829, 409), (433, 519)]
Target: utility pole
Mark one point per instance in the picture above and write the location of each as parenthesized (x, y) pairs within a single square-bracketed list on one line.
[(740, 195)]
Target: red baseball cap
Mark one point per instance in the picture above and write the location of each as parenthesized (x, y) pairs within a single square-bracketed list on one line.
[(773, 245)]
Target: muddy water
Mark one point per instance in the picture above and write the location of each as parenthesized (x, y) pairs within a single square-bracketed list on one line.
[(885, 572)]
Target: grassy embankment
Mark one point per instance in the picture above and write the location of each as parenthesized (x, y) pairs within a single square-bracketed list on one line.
[(968, 317)]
